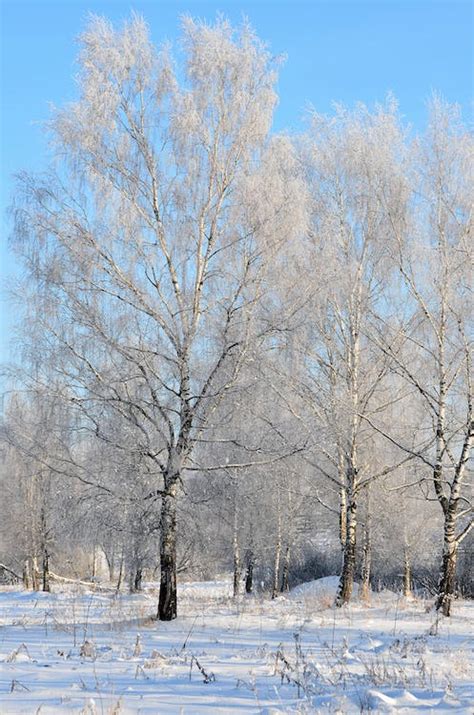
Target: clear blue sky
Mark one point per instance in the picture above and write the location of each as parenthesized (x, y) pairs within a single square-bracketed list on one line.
[(338, 50)]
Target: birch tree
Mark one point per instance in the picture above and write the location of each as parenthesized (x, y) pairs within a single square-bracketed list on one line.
[(349, 159), (33, 426), (152, 234), (431, 345)]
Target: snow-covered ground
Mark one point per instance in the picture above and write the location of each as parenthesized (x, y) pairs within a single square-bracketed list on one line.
[(77, 651)]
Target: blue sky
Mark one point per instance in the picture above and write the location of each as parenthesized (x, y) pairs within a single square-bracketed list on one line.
[(337, 50)]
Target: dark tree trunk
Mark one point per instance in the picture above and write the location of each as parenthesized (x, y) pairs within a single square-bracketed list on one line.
[(448, 568), (250, 559), (286, 570), (120, 574), (26, 574), (46, 584), (346, 582), (167, 605), (137, 580), (237, 574)]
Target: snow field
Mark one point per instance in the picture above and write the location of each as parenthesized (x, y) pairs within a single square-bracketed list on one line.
[(78, 651)]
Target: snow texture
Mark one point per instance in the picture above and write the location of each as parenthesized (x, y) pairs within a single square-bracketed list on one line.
[(78, 651)]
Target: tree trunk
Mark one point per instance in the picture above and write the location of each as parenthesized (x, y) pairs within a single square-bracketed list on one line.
[(286, 569), (236, 550), (290, 517), (94, 562), (448, 569), (407, 574), (137, 580), (343, 517), (35, 574), (167, 605), (110, 558), (120, 574), (346, 582), (46, 584), (276, 565), (44, 550), (367, 553), (26, 574), (250, 559)]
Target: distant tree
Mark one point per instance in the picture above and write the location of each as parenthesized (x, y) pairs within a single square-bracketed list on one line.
[(34, 427), (341, 376)]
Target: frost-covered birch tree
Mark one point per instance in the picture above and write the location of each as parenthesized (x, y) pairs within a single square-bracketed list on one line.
[(151, 235), (350, 159), (430, 346)]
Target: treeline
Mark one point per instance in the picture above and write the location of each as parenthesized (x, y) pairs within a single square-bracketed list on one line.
[(238, 349)]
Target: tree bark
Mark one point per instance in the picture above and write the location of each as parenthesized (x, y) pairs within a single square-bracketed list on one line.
[(236, 550), (342, 517), (94, 562), (367, 553), (137, 580), (46, 582), (448, 568), (290, 517), (406, 574), (346, 582), (167, 605), (120, 574), (276, 565), (286, 569), (250, 558), (44, 549), (26, 575), (35, 574)]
